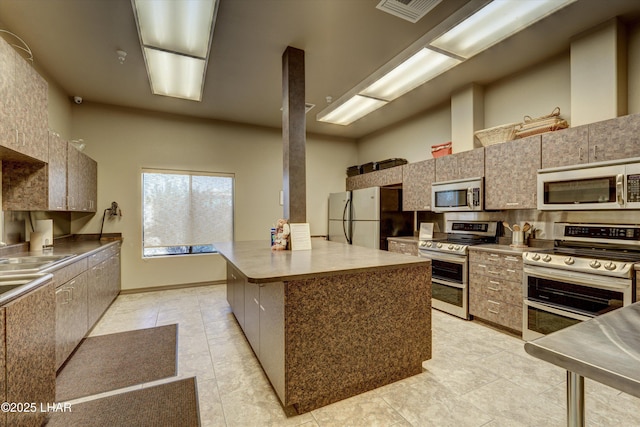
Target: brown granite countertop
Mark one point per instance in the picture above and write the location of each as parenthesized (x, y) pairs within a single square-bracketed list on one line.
[(260, 264)]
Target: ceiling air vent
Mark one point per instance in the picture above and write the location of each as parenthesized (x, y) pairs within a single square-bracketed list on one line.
[(410, 10)]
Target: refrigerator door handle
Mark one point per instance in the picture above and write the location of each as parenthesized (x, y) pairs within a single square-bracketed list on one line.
[(344, 221)]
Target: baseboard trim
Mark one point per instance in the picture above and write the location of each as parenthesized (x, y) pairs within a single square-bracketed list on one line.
[(171, 287)]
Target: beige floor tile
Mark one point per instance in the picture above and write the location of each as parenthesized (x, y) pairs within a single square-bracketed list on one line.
[(477, 377)]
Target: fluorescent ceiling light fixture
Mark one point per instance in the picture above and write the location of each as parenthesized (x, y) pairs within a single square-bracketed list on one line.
[(176, 39), (415, 71), (175, 75), (494, 23), (356, 107)]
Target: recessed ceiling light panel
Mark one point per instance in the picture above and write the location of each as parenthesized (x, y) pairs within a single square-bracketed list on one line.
[(493, 23), (175, 75), (418, 69), (182, 26), (352, 110)]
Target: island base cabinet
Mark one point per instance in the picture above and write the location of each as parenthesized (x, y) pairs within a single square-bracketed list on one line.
[(235, 293), (30, 354), (272, 335), (252, 316)]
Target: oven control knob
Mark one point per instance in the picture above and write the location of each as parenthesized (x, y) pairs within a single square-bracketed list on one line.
[(450, 247), (594, 264), (547, 258), (428, 244), (535, 257), (569, 261), (610, 266), (439, 245), (458, 247)]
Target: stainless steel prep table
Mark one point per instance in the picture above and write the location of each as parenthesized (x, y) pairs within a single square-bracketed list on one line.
[(605, 349)]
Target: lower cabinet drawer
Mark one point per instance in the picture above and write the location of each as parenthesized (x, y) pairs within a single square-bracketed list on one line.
[(496, 289), (496, 311)]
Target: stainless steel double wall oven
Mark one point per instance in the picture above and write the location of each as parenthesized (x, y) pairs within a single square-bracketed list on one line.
[(589, 271)]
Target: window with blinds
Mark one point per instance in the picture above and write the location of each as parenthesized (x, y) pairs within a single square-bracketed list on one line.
[(185, 212)]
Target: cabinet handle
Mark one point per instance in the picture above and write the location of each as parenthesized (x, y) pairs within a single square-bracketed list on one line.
[(513, 203), (261, 307), (595, 152), (256, 301), (510, 271), (494, 282), (497, 304), (492, 272), (493, 289), (580, 153)]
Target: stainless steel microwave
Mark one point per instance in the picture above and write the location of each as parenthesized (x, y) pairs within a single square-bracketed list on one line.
[(459, 195), (604, 185)]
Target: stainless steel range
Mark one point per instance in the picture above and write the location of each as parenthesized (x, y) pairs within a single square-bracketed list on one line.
[(450, 262), (589, 271)]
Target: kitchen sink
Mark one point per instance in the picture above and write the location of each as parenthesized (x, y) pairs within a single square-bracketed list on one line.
[(29, 263), (30, 259)]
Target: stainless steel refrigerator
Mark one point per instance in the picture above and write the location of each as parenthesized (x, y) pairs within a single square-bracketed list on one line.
[(368, 216)]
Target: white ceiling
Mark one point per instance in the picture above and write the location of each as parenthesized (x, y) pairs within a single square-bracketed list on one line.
[(75, 43)]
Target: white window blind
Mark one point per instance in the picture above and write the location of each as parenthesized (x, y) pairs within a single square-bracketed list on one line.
[(185, 209)]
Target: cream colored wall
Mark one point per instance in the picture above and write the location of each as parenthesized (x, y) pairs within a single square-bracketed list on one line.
[(123, 141), (534, 92)]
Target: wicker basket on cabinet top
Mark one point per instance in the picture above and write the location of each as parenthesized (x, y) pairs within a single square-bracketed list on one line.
[(497, 134)]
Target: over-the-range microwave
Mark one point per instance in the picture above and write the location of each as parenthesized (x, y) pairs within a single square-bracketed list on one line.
[(459, 195), (603, 185)]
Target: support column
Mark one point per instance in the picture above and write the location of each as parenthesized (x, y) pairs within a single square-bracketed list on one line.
[(294, 135), (467, 116)]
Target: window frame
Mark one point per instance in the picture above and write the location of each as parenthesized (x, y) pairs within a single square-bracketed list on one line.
[(190, 252)]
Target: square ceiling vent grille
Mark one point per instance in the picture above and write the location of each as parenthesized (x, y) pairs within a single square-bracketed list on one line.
[(410, 10)]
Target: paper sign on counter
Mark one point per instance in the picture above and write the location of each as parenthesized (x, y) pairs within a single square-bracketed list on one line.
[(300, 237)]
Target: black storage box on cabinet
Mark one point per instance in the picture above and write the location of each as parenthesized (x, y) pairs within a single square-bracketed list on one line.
[(353, 170), (369, 167), (390, 163)]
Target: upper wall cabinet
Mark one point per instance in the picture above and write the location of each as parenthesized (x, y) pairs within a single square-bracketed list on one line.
[(615, 139), (82, 181), (511, 174), (467, 164), (23, 106), (612, 139), (379, 178), (565, 147), (67, 183), (416, 185)]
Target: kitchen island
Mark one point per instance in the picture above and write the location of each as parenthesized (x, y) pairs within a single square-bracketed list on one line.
[(330, 322)]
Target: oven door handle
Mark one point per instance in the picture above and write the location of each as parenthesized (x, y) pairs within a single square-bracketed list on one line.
[(583, 279), (565, 312), (439, 256), (450, 284)]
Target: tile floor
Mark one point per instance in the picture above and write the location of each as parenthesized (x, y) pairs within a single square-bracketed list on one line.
[(477, 376)]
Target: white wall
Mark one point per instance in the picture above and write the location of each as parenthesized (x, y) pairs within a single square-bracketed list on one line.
[(123, 141)]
